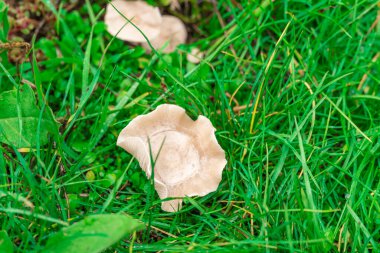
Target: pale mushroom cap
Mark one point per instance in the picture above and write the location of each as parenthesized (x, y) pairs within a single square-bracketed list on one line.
[(188, 159), (173, 33), (147, 18)]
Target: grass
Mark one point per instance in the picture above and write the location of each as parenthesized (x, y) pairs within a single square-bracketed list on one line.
[(292, 89)]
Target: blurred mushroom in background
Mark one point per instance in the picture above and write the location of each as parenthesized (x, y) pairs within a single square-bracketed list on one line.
[(173, 33), (144, 16), (164, 33)]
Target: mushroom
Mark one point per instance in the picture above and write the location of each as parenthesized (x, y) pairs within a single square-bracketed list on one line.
[(147, 18), (173, 32), (182, 155)]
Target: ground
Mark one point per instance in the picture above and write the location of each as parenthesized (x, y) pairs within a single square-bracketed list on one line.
[(292, 89)]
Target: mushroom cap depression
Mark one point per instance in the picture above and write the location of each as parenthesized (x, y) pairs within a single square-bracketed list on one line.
[(173, 33), (188, 161), (146, 17)]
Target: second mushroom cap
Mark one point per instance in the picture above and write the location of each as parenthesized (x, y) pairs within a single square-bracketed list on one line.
[(147, 18), (172, 33)]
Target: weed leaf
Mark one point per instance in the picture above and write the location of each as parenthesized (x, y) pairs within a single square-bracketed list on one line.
[(6, 245), (93, 234), (22, 123)]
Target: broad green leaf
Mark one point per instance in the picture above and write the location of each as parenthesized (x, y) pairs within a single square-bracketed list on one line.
[(21, 122), (93, 234), (4, 24), (6, 245), (4, 29)]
